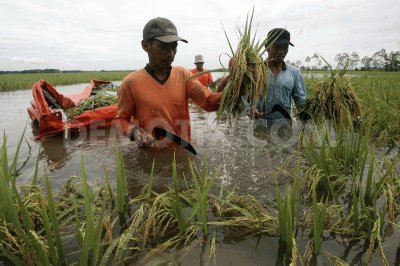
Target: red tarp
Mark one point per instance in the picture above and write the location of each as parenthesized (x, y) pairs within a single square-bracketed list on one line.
[(51, 123)]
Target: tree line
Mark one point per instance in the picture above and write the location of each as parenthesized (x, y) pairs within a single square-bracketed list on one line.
[(380, 60)]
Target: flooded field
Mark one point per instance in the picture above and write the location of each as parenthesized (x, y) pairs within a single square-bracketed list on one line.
[(246, 162)]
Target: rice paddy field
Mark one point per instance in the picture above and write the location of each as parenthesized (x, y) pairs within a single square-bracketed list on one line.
[(327, 195), (11, 82)]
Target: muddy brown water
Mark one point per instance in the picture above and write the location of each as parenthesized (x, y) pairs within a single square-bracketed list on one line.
[(244, 161)]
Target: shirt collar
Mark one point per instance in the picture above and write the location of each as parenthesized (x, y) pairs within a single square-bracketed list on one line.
[(150, 70), (284, 67)]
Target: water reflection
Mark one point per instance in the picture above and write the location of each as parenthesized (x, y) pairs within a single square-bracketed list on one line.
[(54, 152)]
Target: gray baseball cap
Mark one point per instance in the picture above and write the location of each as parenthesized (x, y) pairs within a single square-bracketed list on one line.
[(161, 29)]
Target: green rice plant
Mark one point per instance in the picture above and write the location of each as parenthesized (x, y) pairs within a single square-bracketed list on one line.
[(35, 172), (11, 82), (13, 211), (51, 224), (248, 74), (202, 185), (319, 217), (287, 211), (15, 160), (176, 204), (335, 100), (91, 241), (122, 187), (323, 159), (380, 97)]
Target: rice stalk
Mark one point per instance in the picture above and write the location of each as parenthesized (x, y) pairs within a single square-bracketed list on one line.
[(374, 239), (245, 214), (336, 260), (101, 99), (248, 74), (335, 100), (202, 188), (15, 160), (320, 214), (53, 227), (176, 206), (287, 215), (122, 187), (213, 247)]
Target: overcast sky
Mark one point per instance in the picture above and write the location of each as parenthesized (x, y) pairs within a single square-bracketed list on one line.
[(100, 34)]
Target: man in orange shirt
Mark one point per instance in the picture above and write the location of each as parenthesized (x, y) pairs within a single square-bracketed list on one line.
[(157, 95), (206, 78)]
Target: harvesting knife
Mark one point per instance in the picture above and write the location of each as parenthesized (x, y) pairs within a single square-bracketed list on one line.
[(162, 132)]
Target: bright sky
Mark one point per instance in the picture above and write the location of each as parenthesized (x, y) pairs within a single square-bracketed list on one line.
[(100, 34)]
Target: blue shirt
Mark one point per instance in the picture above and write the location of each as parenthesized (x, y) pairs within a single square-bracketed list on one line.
[(287, 85)]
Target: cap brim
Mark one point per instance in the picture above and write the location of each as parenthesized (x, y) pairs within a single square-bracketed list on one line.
[(280, 42), (170, 38), (199, 62)]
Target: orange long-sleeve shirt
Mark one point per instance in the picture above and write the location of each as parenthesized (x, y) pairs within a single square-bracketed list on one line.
[(204, 79), (145, 102)]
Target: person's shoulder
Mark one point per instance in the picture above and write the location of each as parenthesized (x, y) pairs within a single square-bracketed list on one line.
[(134, 74), (292, 67), (181, 70)]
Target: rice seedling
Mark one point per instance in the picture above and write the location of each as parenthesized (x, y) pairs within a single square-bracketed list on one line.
[(335, 100), (248, 74)]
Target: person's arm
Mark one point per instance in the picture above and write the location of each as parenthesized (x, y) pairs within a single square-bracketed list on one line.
[(202, 96), (222, 83), (125, 112), (299, 95)]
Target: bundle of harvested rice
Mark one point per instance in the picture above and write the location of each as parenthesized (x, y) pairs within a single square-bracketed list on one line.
[(248, 75), (100, 99), (335, 100)]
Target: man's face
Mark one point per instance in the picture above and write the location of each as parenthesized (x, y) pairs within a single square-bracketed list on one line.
[(160, 54), (277, 53), (199, 66)]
